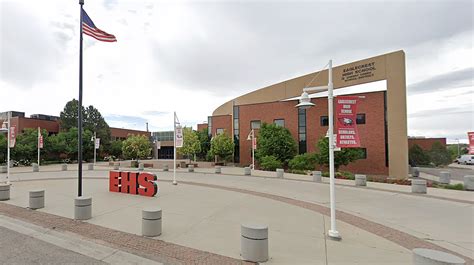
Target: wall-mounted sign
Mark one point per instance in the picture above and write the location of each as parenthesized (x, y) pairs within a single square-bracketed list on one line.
[(133, 183), (358, 72), (346, 127)]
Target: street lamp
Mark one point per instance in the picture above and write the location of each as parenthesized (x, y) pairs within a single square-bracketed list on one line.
[(251, 137), (305, 103), (6, 128), (93, 140)]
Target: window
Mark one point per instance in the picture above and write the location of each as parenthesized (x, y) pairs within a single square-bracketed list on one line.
[(235, 115), (255, 125), (219, 131), (301, 131), (279, 122), (209, 126), (360, 118), (324, 121)]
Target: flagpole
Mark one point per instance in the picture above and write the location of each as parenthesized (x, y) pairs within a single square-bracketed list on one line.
[(174, 155), (79, 109)]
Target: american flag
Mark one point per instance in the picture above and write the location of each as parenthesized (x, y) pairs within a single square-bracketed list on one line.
[(90, 29)]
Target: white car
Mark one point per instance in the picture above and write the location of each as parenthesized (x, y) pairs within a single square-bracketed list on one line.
[(466, 160)]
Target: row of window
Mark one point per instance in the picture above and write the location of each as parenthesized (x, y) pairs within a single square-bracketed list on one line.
[(324, 121)]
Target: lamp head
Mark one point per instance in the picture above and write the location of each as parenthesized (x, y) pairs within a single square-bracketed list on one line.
[(305, 101)]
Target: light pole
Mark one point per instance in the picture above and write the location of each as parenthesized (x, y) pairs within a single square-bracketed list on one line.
[(251, 137), (305, 103), (93, 140), (457, 139), (6, 127), (175, 125)]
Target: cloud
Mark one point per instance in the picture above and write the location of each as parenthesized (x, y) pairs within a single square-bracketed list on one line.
[(451, 80), (125, 119), (155, 113), (463, 109)]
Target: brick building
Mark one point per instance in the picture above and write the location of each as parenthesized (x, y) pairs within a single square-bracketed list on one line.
[(381, 119), (425, 143)]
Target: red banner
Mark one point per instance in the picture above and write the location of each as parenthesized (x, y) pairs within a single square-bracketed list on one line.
[(12, 136), (254, 143), (41, 142), (470, 136), (346, 127)]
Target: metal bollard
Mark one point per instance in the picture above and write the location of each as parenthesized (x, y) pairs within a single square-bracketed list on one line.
[(444, 177), (35, 167), (218, 169), (247, 171), (151, 222), (3, 169), (165, 168), (190, 168), (141, 167), (360, 180), (83, 208), (280, 173), (418, 186), (317, 176), (90, 167), (416, 172), (425, 256), (469, 182), (254, 242), (64, 167), (116, 166), (36, 199), (4, 192)]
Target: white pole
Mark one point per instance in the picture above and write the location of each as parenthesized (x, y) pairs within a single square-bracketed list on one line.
[(39, 146), (333, 233), (174, 156), (95, 139), (253, 150), (8, 149)]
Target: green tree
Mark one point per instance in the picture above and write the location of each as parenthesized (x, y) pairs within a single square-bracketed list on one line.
[(341, 158), (304, 162), (439, 155), (68, 117), (453, 150), (66, 145), (275, 141), (222, 146), (191, 144), (3, 148), (417, 156), (205, 141), (116, 149), (270, 163), (136, 147)]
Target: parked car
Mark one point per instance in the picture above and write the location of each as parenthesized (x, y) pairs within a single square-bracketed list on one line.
[(466, 160)]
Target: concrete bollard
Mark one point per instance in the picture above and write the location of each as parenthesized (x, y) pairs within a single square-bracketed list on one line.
[(165, 168), (83, 208), (4, 192), (469, 182), (280, 173), (416, 172), (444, 177), (116, 166), (190, 168), (64, 167), (317, 176), (35, 167), (254, 242), (151, 222), (425, 256), (218, 169), (36, 199), (418, 186), (360, 180), (247, 171), (141, 167), (90, 167), (3, 169)]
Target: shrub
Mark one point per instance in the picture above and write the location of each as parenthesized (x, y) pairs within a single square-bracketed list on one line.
[(270, 163), (297, 171), (303, 162), (346, 175), (275, 141)]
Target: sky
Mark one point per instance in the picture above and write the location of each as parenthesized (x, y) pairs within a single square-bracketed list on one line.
[(192, 56)]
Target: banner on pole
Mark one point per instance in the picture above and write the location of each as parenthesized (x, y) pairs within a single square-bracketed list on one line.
[(179, 137), (40, 145), (254, 143), (12, 136), (470, 136), (346, 127), (158, 145), (97, 143)]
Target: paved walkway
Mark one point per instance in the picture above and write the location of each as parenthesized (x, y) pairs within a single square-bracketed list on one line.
[(205, 213)]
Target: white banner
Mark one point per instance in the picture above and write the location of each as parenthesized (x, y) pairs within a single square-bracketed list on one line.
[(179, 137), (97, 143)]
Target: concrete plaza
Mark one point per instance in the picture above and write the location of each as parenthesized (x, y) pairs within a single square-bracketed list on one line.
[(379, 224)]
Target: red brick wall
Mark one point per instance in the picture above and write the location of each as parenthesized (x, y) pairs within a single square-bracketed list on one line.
[(124, 133), (24, 123), (202, 126), (222, 122), (425, 143), (372, 133)]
